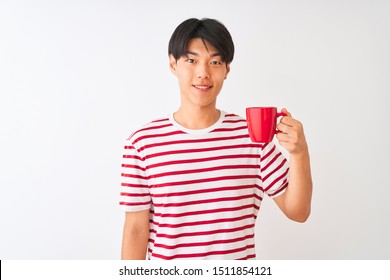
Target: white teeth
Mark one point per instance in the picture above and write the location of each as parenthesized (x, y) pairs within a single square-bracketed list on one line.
[(202, 87)]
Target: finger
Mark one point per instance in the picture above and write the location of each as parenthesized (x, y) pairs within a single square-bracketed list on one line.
[(284, 110), (283, 127), (287, 121), (288, 146), (287, 118), (282, 137), (290, 121)]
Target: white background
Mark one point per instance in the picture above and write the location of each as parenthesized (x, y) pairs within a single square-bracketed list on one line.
[(77, 77)]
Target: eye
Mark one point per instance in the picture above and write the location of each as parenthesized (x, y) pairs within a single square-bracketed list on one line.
[(215, 63), (190, 60)]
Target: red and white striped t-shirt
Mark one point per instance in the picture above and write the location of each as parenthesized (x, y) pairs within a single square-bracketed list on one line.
[(203, 187)]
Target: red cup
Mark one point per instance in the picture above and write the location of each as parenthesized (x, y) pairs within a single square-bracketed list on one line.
[(262, 123)]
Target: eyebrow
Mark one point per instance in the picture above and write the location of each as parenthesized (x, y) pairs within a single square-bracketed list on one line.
[(196, 54)]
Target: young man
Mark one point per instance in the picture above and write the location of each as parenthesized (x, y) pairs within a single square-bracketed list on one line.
[(193, 182)]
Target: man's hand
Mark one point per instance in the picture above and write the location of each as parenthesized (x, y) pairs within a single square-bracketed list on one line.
[(292, 137), (295, 202)]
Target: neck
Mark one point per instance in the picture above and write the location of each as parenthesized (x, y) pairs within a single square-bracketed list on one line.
[(197, 118)]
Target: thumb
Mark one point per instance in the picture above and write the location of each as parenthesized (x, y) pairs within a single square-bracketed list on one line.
[(284, 110)]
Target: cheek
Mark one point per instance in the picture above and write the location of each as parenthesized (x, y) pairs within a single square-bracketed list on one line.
[(184, 81), (221, 77), (184, 78), (222, 73)]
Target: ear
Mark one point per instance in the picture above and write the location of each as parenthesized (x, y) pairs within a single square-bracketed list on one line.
[(227, 70), (172, 64)]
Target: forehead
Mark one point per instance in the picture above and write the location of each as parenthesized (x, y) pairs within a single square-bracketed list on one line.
[(201, 47)]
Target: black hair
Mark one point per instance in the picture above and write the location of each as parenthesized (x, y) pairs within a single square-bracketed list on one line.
[(208, 30)]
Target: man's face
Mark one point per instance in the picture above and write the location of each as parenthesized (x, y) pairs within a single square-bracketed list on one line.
[(201, 74)]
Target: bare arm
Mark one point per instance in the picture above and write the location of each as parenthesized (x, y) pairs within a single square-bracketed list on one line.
[(135, 235), (295, 202)]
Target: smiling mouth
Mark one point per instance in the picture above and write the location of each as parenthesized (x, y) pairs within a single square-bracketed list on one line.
[(202, 87)]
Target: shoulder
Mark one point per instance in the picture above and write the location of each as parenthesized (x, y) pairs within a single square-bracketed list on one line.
[(151, 127)]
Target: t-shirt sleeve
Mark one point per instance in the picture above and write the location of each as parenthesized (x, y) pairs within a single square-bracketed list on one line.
[(135, 195), (274, 169)]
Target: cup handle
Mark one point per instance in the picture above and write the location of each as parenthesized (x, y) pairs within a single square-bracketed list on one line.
[(281, 114)]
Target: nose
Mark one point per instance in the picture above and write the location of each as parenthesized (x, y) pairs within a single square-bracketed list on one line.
[(202, 71)]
